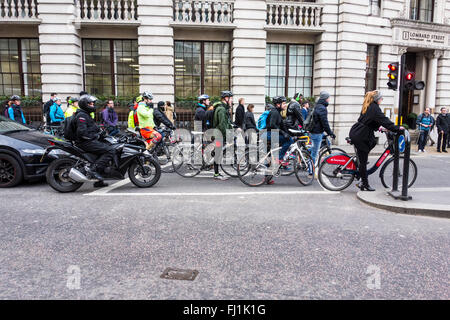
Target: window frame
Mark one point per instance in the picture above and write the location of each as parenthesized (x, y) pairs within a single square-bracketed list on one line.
[(20, 63), (112, 62), (417, 11), (375, 75), (286, 80), (202, 62)]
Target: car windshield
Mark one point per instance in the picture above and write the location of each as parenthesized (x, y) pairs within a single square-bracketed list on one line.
[(7, 125)]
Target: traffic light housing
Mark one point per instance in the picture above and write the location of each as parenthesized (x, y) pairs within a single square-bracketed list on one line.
[(410, 82), (393, 76)]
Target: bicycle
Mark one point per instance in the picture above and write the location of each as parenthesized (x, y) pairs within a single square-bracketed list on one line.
[(327, 150), (338, 171), (254, 172)]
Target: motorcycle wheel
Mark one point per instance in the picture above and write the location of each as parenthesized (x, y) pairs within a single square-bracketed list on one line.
[(144, 176), (58, 175)]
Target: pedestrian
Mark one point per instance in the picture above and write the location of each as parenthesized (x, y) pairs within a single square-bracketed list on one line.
[(425, 121), (110, 118), (240, 114), (443, 127), (170, 112), (15, 112), (321, 124), (46, 107), (56, 113), (249, 118), (305, 109), (362, 133)]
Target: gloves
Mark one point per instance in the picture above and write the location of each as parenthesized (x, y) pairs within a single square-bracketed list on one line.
[(333, 136)]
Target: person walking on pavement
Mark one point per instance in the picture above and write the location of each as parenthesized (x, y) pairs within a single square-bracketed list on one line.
[(321, 124), (362, 133), (240, 114), (305, 110), (110, 118), (443, 127), (425, 121), (170, 112)]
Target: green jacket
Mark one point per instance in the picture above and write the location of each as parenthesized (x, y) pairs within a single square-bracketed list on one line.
[(221, 119)]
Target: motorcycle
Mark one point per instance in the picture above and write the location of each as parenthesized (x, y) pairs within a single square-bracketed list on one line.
[(71, 169)]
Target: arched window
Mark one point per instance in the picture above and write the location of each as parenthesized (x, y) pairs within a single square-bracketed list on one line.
[(422, 10)]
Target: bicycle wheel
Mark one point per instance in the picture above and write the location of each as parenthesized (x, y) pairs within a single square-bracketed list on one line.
[(304, 167), (185, 165), (387, 173), (252, 173), (164, 156), (332, 178), (325, 152), (230, 161)]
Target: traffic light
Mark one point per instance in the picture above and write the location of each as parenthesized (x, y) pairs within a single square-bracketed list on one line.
[(393, 76), (411, 83)]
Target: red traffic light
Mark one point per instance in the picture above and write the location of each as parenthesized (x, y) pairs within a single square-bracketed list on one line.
[(392, 67), (409, 76)]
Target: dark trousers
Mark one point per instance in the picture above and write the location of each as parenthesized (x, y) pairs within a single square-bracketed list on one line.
[(363, 157), (423, 139), (103, 150), (442, 138)]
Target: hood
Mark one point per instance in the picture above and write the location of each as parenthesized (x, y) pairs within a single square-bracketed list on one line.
[(33, 136), (322, 102)]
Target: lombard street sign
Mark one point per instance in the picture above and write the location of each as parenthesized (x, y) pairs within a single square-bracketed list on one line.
[(411, 33)]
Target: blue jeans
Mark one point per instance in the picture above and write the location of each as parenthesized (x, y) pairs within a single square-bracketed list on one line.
[(423, 135), (285, 143), (316, 139)]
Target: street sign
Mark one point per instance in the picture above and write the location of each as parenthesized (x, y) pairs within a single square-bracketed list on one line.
[(401, 144)]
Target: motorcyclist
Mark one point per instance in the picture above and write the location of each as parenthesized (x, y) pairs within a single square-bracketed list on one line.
[(200, 112), (88, 135)]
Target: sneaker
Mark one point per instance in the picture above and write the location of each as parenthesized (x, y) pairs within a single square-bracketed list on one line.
[(220, 177), (270, 182), (445, 151), (439, 151)]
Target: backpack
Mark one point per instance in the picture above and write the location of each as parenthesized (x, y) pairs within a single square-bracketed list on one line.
[(262, 120), (70, 132), (5, 111), (308, 124)]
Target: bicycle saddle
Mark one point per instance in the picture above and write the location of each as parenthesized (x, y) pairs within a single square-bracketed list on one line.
[(296, 131)]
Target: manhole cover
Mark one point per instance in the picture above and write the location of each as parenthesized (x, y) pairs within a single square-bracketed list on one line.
[(179, 274)]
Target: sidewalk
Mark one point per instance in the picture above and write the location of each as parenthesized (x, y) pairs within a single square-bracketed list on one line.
[(425, 201)]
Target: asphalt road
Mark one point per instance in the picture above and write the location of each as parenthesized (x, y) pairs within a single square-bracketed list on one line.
[(274, 242)]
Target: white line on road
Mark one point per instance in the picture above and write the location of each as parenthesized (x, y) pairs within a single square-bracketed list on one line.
[(111, 187), (190, 194), (443, 189)]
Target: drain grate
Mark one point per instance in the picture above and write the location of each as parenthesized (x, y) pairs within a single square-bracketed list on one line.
[(179, 274)]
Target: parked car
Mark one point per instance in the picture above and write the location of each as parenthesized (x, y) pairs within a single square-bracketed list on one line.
[(21, 149)]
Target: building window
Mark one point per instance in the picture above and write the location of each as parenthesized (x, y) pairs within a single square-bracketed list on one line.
[(422, 10), (289, 69), (111, 67), (371, 67), (201, 67), (20, 67), (375, 7)]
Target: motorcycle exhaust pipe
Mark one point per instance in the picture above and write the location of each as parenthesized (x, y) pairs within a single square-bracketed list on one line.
[(77, 176)]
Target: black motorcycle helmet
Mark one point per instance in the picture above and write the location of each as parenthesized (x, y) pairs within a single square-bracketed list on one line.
[(85, 101)]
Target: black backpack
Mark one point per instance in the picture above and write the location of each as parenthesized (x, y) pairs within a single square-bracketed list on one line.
[(5, 111), (69, 126), (308, 124)]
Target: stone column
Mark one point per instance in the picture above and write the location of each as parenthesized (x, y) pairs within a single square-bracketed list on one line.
[(60, 49), (249, 52), (156, 53), (432, 78)]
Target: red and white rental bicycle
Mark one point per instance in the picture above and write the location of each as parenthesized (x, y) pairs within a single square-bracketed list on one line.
[(338, 170)]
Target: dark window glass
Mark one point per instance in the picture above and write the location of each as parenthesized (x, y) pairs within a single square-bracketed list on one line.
[(422, 10), (371, 67), (20, 67), (111, 67), (291, 62)]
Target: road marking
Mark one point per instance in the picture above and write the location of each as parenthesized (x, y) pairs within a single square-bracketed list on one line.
[(443, 189), (196, 194), (111, 187)]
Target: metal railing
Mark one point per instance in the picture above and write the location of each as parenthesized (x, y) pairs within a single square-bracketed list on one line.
[(107, 10), (297, 15), (203, 11), (18, 9)]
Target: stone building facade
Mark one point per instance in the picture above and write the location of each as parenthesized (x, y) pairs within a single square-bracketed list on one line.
[(178, 49)]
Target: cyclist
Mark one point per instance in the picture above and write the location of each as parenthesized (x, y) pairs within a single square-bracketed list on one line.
[(222, 122), (56, 113), (88, 134), (15, 110), (145, 117), (362, 133), (47, 105), (133, 121), (160, 117), (200, 112), (72, 107), (294, 118), (275, 122)]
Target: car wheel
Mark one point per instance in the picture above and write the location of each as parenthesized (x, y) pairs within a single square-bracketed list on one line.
[(10, 171)]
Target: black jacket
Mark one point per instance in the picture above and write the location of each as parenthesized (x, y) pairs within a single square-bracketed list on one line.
[(239, 117), (294, 116), (46, 110), (159, 117), (275, 122), (362, 132), (200, 115), (249, 121), (86, 128), (209, 118), (321, 118), (443, 123)]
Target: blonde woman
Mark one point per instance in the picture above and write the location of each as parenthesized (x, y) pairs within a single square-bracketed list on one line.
[(362, 132)]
